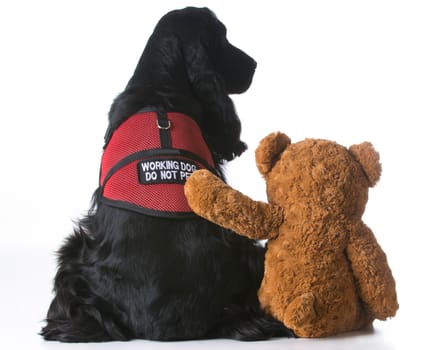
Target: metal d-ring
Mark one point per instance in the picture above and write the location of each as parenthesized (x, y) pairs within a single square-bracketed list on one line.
[(166, 127)]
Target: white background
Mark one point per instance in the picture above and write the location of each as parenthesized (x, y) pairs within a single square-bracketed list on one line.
[(348, 71)]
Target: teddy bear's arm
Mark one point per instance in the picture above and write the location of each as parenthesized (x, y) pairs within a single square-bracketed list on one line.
[(372, 272), (216, 201)]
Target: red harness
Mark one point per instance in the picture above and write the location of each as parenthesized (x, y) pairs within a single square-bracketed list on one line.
[(147, 160)]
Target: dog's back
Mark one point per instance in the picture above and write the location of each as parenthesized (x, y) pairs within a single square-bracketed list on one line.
[(126, 273)]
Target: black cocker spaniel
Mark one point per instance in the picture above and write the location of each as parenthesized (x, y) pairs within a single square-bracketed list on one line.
[(140, 264)]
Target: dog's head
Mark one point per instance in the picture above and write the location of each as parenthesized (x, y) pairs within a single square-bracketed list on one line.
[(206, 50), (189, 54)]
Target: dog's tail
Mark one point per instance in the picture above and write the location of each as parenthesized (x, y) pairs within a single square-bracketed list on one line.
[(249, 325)]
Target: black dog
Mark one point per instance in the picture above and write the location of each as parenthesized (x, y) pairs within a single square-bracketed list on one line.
[(148, 268)]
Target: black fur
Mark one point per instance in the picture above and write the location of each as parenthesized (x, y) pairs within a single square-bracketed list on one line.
[(124, 275)]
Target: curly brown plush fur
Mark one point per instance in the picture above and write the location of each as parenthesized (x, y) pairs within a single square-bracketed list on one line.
[(325, 273)]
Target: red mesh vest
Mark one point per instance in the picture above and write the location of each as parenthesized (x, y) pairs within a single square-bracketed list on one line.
[(147, 160)]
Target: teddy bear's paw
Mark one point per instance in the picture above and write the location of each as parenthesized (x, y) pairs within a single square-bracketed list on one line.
[(301, 311), (198, 179), (199, 186)]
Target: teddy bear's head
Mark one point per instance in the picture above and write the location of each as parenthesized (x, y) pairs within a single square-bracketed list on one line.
[(317, 175)]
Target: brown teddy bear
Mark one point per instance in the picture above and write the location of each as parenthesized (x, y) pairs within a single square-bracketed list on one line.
[(325, 273)]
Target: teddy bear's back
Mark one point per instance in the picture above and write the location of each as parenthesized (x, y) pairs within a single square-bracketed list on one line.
[(310, 258), (292, 270)]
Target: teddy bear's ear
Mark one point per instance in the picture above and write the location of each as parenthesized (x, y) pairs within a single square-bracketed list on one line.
[(269, 150), (369, 158)]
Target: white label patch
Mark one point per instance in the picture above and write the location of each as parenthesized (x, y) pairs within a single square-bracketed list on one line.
[(165, 170)]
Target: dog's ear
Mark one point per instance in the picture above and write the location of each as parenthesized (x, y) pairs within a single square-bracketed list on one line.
[(221, 124), (214, 72)]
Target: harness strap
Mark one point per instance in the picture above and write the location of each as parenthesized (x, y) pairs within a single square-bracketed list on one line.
[(164, 126)]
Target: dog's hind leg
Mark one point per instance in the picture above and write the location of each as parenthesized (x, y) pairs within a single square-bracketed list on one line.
[(63, 328), (79, 323), (77, 313)]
